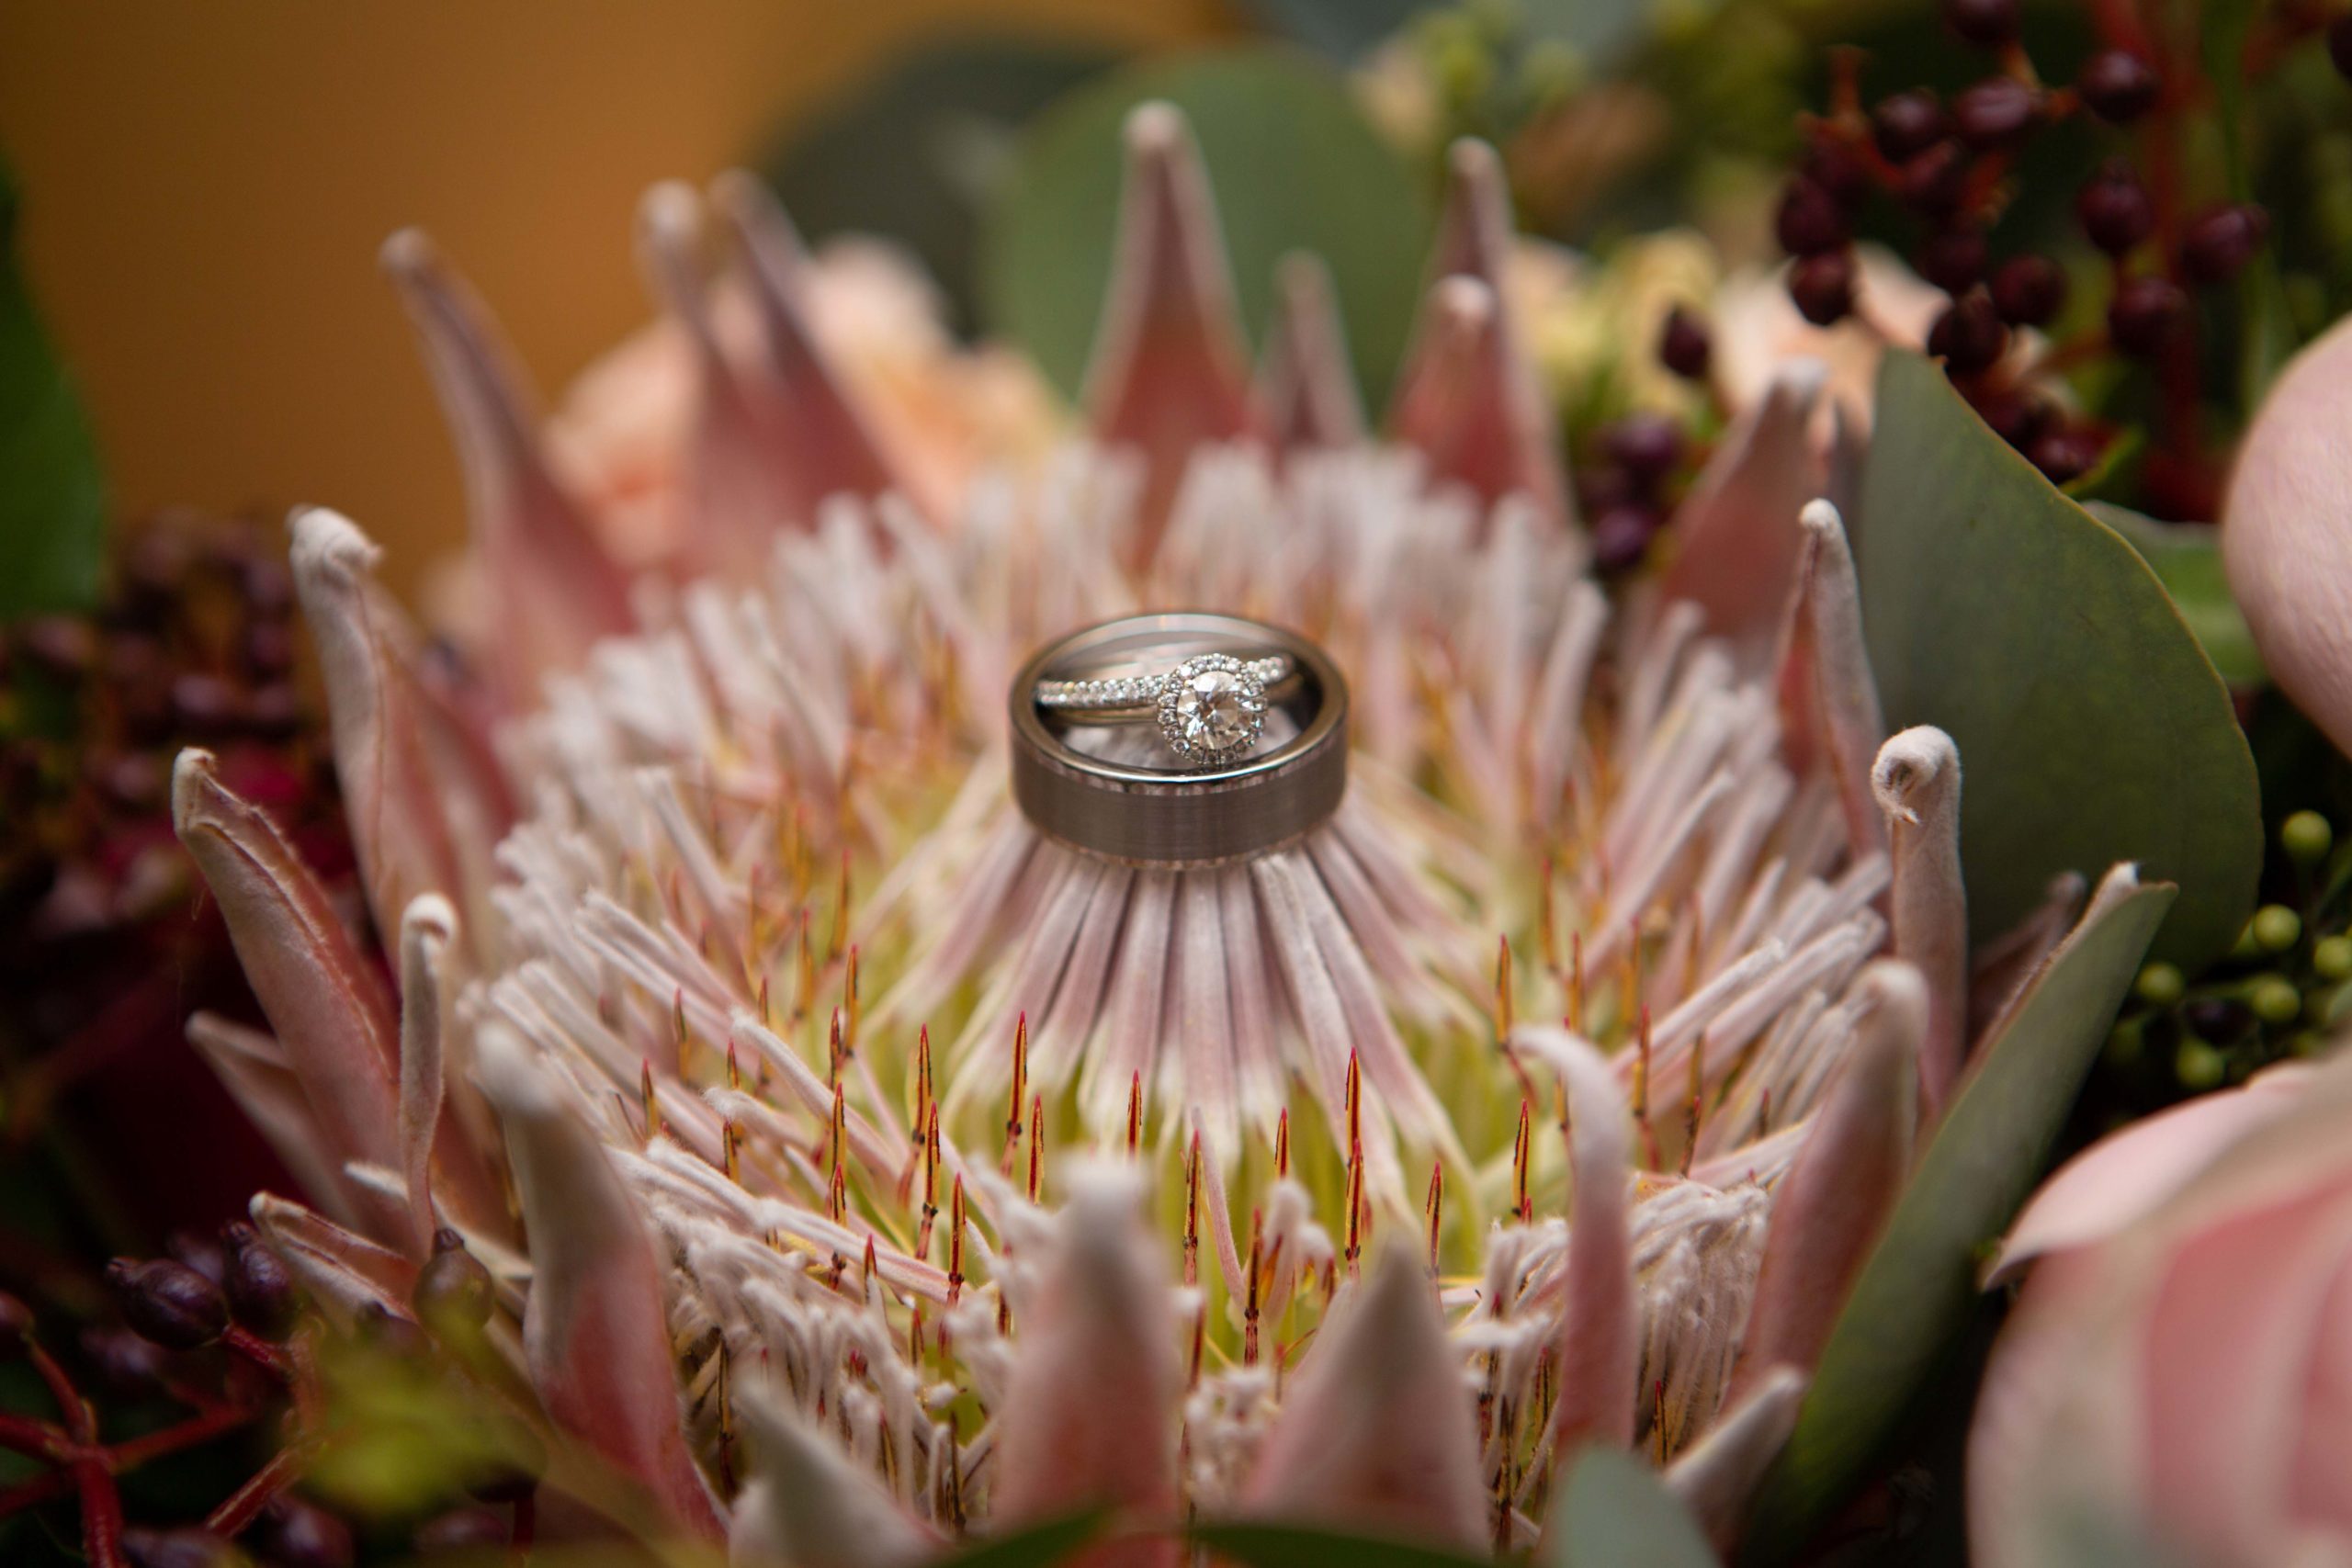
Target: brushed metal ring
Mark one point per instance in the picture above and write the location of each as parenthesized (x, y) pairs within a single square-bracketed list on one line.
[(1178, 817)]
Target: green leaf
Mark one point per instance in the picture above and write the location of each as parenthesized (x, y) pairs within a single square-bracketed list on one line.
[(1614, 1513), (52, 500), (917, 151), (1036, 1546), (1914, 1294), (1345, 30), (1293, 164), (2091, 726), (1303, 1546), (2187, 559)]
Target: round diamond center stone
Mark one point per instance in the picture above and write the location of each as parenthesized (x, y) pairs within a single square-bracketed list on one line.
[(1213, 711)]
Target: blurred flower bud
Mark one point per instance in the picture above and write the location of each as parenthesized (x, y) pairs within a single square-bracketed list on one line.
[(189, 1548), (453, 1297), (260, 1287), (292, 1533), (2119, 86)]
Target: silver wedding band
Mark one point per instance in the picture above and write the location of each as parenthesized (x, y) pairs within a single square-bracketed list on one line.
[(1190, 813)]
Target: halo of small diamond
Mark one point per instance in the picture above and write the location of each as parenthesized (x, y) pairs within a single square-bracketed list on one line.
[(1211, 708)]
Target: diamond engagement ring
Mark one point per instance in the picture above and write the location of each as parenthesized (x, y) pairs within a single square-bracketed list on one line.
[(1253, 720), (1210, 707)]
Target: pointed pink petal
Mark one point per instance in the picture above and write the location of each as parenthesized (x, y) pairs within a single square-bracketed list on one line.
[(735, 504), (1601, 1328), (252, 1067), (1464, 403), (1829, 1210), (348, 1275), (1305, 383), (433, 1150), (1378, 1431), (1087, 1418), (325, 1005), (815, 440), (596, 1332), (1736, 535), (1829, 707), (1916, 780), (2130, 1174), (403, 773), (1474, 231), (2283, 539), (560, 591), (807, 1506), (1716, 1477), (1170, 373)]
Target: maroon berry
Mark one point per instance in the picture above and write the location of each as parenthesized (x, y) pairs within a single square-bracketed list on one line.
[(2065, 453), (1837, 168), (1953, 259), (2119, 86), (2029, 291), (2016, 417), (168, 1303), (268, 585), (125, 1364), (1933, 183), (1968, 337), (269, 648), (292, 1533), (2220, 241), (205, 706), (1621, 536), (2143, 315), (1809, 221), (470, 1531), (1823, 286), (2339, 43), (2114, 208), (275, 712), (260, 1287), (187, 1548), (1685, 345), (1907, 124), (1646, 446), (1994, 112), (1988, 24), (62, 645), (453, 1296), (16, 1323)]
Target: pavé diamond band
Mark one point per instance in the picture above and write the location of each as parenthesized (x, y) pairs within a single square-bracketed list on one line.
[(1253, 719)]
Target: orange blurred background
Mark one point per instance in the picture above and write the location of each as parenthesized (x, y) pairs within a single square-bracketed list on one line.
[(204, 188)]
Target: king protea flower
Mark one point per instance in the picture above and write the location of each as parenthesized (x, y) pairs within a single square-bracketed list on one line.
[(886, 1174)]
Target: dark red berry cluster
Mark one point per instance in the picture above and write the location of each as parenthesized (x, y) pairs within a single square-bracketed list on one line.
[(1627, 489), (1950, 163)]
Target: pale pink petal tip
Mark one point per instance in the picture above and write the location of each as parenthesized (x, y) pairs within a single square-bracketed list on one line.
[(1307, 384), (1474, 231), (2283, 540), (1916, 780), (1465, 401), (1378, 1433), (1087, 1417), (2130, 1174), (596, 1332), (807, 1506), (1737, 534), (1717, 1476), (1828, 695), (1829, 1210), (564, 591)]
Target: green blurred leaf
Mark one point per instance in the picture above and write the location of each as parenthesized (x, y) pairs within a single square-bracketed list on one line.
[(1293, 164), (1037, 1546), (1615, 1512), (2187, 559), (1301, 1546), (52, 500), (2091, 726), (1916, 1293), (1345, 30), (915, 152)]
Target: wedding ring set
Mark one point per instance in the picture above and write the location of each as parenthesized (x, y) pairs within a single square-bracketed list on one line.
[(1252, 746)]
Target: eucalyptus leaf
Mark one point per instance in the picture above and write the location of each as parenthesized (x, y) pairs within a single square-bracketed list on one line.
[(2091, 726), (1344, 30), (1303, 1546), (1615, 1512), (1293, 163), (2187, 559), (1915, 1292), (1035, 1546), (53, 499), (916, 151)]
